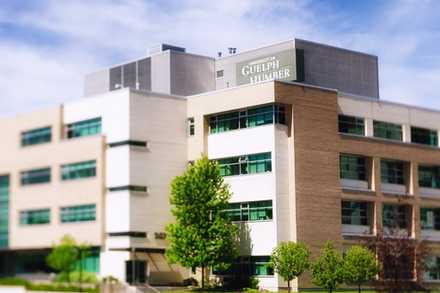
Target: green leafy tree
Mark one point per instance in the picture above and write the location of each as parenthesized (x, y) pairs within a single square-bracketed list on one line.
[(290, 260), (327, 270), (64, 256), (202, 235), (360, 266)]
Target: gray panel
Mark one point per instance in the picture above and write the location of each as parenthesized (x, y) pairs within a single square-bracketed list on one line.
[(160, 72), (129, 75), (347, 71), (191, 74), (144, 74), (115, 78)]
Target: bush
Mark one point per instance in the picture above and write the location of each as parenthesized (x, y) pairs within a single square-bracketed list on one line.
[(14, 282), (59, 288), (87, 277)]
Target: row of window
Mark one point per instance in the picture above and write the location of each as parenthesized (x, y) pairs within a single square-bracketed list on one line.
[(354, 167), (73, 130), (250, 211), (68, 172), (393, 215), (80, 213), (387, 130), (247, 164)]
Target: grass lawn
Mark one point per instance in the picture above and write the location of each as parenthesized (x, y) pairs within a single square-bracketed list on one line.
[(281, 291)]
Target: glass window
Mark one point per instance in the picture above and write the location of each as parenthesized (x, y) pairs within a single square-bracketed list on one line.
[(78, 170), (395, 216), (191, 126), (250, 211), (433, 269), (90, 263), (352, 167), (351, 124), (387, 130), (260, 266), (248, 265), (4, 211), (424, 136), (355, 213), (36, 136), (36, 176), (220, 73), (249, 164), (429, 176), (246, 118), (84, 128), (81, 213), (392, 171), (35, 217), (430, 218)]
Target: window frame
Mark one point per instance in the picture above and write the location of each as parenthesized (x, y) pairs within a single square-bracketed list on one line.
[(88, 127), (27, 177), (358, 124), (36, 133), (384, 130), (432, 136), (246, 164), (347, 173), (392, 176), (65, 177), (70, 214), (246, 210), (28, 214), (435, 176), (363, 211)]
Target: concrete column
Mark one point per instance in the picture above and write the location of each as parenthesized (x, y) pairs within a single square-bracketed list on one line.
[(369, 127), (406, 132), (416, 230)]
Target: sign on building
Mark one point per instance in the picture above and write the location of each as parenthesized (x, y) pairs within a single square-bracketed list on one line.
[(280, 66)]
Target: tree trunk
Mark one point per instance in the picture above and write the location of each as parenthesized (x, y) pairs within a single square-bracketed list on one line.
[(288, 286), (203, 277), (359, 288)]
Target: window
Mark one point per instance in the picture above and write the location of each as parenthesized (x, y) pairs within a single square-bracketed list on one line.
[(246, 118), (248, 265), (90, 263), (84, 128), (392, 171), (220, 73), (429, 176), (352, 167), (35, 217), (351, 124), (395, 216), (387, 130), (4, 211), (136, 188), (250, 211), (433, 269), (191, 126), (355, 213), (430, 218), (36, 136), (78, 170), (36, 176), (424, 136), (81, 213), (250, 164)]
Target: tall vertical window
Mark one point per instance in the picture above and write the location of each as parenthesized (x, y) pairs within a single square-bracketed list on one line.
[(84, 128), (36, 136), (424, 136), (191, 126), (249, 164), (396, 216), (387, 130), (355, 213), (250, 211), (35, 217), (78, 170), (429, 176), (430, 218), (352, 167), (392, 171), (80, 213), (36, 176), (4, 211), (247, 118), (351, 124)]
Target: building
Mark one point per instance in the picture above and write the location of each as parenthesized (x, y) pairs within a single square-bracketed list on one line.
[(310, 151)]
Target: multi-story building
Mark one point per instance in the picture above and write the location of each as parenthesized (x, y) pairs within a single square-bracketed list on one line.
[(309, 150)]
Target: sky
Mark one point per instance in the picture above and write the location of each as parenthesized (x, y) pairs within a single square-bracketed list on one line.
[(47, 46)]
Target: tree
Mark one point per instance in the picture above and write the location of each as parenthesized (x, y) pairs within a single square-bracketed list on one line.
[(83, 251), (290, 260), (64, 256), (402, 260), (202, 235), (327, 270), (360, 265)]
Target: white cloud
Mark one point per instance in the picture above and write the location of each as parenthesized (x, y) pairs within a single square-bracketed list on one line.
[(91, 34)]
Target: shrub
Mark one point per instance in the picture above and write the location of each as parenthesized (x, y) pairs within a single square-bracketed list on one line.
[(87, 277), (14, 282)]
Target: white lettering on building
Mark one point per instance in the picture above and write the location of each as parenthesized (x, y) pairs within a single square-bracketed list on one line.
[(265, 69)]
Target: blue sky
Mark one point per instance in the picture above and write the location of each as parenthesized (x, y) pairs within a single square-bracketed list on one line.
[(48, 45)]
